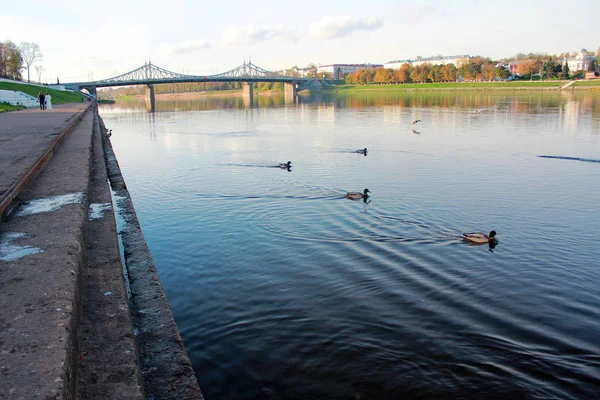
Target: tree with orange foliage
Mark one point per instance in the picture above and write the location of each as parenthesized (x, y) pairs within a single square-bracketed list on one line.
[(527, 67), (404, 73)]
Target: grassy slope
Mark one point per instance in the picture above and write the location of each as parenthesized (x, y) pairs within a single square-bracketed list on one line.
[(451, 85), (58, 96), (595, 83), (9, 107)]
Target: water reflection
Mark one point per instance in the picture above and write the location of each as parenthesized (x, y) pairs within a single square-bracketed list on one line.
[(282, 287)]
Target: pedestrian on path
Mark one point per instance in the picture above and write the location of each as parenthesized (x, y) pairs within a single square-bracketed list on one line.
[(42, 99), (48, 99)]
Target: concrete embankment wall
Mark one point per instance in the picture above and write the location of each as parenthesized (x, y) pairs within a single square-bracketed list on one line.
[(165, 365), (62, 287)]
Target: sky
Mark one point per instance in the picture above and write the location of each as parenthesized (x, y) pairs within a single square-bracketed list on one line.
[(80, 40)]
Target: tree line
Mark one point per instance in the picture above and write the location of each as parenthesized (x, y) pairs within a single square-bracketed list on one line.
[(475, 69), (14, 58)]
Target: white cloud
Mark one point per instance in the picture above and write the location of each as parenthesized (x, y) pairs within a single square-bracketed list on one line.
[(332, 27), (247, 35), (187, 46)]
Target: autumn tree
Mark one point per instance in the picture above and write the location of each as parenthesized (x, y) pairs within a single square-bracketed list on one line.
[(449, 73), (10, 61), (30, 52), (488, 72), (526, 68), (502, 72), (404, 73)]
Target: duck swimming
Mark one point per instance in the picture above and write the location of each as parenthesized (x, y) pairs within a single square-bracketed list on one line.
[(416, 121), (362, 151), (286, 165), (358, 195), (477, 237)]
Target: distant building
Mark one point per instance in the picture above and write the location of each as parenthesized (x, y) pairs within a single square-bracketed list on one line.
[(339, 71), (396, 64), (513, 66), (439, 60), (581, 61), (301, 72)]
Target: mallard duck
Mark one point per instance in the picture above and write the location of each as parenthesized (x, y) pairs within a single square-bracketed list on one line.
[(416, 121), (477, 237), (286, 165), (358, 195), (362, 151)]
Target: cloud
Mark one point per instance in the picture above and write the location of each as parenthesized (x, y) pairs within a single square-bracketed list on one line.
[(247, 35), (187, 46), (332, 27)]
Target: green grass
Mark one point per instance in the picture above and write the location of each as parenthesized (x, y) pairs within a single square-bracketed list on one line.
[(449, 85), (58, 96), (9, 107), (595, 82)]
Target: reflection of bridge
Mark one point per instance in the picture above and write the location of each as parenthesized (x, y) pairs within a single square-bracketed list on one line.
[(150, 75)]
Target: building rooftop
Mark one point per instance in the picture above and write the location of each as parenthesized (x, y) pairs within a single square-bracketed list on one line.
[(431, 59)]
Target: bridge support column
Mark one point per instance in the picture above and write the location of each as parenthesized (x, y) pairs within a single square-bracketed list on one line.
[(248, 94), (150, 100), (94, 92), (290, 91)]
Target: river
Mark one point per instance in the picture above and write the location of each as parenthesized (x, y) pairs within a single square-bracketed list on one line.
[(282, 288)]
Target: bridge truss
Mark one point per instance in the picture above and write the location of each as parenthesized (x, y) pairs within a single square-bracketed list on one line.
[(151, 73)]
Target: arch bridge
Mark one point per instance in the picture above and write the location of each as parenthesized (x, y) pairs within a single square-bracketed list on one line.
[(150, 75)]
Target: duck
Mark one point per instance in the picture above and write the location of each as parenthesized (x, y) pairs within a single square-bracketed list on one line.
[(358, 195), (362, 151), (478, 237), (286, 165), (109, 134), (416, 121)]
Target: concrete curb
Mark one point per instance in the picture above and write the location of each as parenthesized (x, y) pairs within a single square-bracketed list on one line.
[(166, 368)]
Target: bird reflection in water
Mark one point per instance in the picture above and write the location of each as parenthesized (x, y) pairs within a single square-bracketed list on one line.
[(416, 132)]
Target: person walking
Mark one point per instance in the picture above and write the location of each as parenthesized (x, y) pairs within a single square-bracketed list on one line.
[(42, 99), (48, 99)]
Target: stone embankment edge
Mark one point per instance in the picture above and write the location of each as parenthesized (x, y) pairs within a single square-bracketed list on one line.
[(166, 368)]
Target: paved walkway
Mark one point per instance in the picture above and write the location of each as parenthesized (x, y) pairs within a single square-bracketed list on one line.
[(66, 325), (25, 135)]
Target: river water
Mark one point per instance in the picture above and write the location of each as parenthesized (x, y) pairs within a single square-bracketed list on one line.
[(284, 289)]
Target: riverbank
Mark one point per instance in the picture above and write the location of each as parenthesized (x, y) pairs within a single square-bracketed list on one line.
[(459, 86)]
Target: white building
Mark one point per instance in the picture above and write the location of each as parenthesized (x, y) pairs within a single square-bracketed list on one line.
[(581, 61), (396, 64), (439, 60), (301, 72), (339, 71)]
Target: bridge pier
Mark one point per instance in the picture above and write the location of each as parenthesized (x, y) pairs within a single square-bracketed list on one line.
[(248, 94), (290, 91), (150, 99), (93, 92)]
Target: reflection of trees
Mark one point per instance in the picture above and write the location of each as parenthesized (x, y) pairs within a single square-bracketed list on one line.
[(199, 104), (514, 103)]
